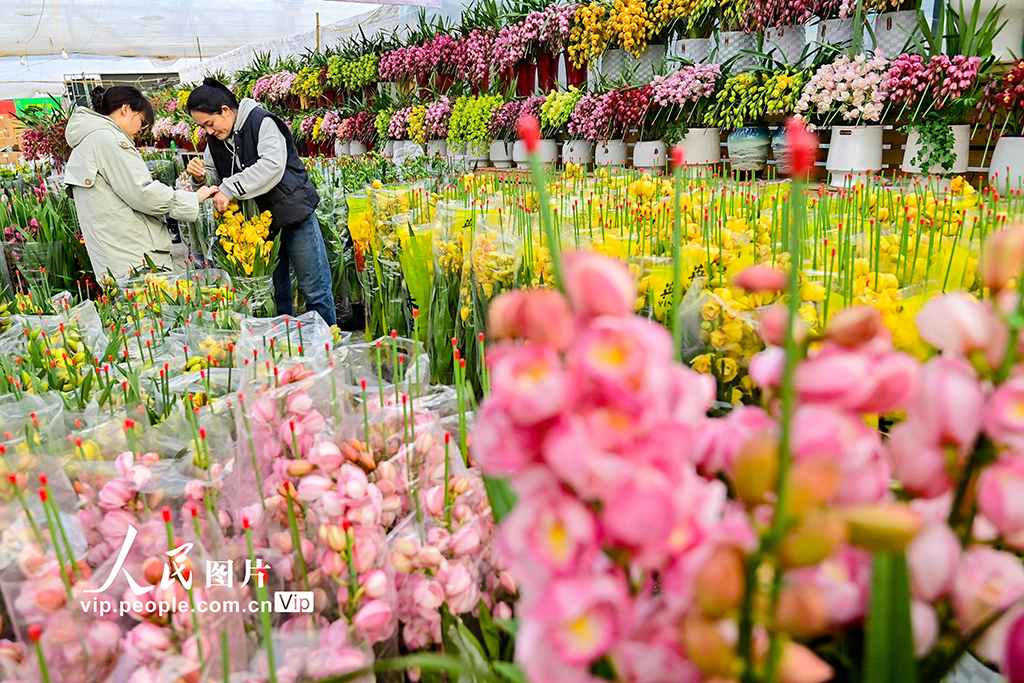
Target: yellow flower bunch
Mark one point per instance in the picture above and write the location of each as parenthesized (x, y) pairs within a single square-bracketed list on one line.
[(317, 132), (590, 34), (414, 125), (630, 25), (248, 250), (307, 83), (183, 96)]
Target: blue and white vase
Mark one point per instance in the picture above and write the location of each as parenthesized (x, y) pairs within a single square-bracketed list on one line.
[(780, 150), (748, 148)]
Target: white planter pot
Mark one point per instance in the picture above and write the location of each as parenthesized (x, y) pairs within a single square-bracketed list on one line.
[(547, 152), (650, 156), (437, 147), (786, 44), (389, 149), (961, 147), (342, 149), (610, 153), (835, 32), (702, 146), (649, 63), (1007, 163), (501, 154), (577, 152), (734, 44), (613, 63), (355, 148), (854, 150), (894, 31), (457, 153), (1008, 40), (696, 50), (970, 670), (475, 157)]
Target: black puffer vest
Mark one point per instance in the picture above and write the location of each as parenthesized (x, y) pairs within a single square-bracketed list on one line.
[(293, 199)]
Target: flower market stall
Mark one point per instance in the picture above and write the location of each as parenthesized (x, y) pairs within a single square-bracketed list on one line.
[(685, 345)]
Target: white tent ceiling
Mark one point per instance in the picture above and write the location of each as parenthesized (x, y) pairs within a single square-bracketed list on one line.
[(168, 29)]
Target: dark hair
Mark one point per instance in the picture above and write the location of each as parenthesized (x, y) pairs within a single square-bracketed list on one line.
[(211, 97), (107, 100)]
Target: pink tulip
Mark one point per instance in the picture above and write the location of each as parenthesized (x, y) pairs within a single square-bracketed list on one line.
[(265, 411), (116, 494), (1004, 423), (583, 616), (893, 378), (843, 580), (433, 500), (1013, 661), (502, 611), (571, 455), (918, 463), (548, 533), (375, 618), (760, 279), (933, 558), (954, 323), (146, 643), (799, 664), (855, 325), (766, 368), (1002, 257), (987, 581), (529, 383), (465, 541), (949, 403), (1001, 492), (836, 379), (461, 590), (925, 625), (298, 403), (598, 285), (314, 423), (773, 321), (375, 584), (641, 515), (540, 316), (352, 482), (327, 456), (313, 486)]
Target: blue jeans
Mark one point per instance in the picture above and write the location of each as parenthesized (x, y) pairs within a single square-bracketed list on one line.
[(303, 246)]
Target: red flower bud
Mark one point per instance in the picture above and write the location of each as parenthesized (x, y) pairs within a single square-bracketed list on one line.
[(167, 513), (678, 157), (803, 147), (35, 632), (529, 132)]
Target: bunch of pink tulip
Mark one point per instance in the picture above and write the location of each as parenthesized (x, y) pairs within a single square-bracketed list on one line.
[(639, 518)]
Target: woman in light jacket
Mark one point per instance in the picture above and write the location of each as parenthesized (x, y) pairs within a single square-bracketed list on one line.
[(119, 203)]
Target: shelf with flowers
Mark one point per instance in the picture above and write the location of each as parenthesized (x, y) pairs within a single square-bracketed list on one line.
[(934, 91), (850, 95), (682, 99), (1003, 111)]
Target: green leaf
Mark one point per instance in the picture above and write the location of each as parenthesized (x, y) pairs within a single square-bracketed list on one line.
[(889, 650), (501, 497), (492, 639), (510, 671), (509, 626)]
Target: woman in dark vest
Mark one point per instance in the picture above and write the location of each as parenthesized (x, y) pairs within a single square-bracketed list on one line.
[(250, 154)]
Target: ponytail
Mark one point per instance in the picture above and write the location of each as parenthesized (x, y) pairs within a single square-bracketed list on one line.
[(108, 100), (211, 98)]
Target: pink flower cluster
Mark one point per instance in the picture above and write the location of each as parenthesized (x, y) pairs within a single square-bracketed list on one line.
[(630, 105), (687, 85), (945, 79), (273, 87), (853, 89), (546, 30), (591, 119), (307, 126), (436, 118), (331, 124), (476, 54), (763, 15), (397, 124), (502, 125)]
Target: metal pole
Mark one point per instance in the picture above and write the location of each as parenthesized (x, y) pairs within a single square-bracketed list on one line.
[(318, 32)]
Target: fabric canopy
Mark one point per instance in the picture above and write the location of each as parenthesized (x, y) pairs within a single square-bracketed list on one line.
[(167, 29)]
